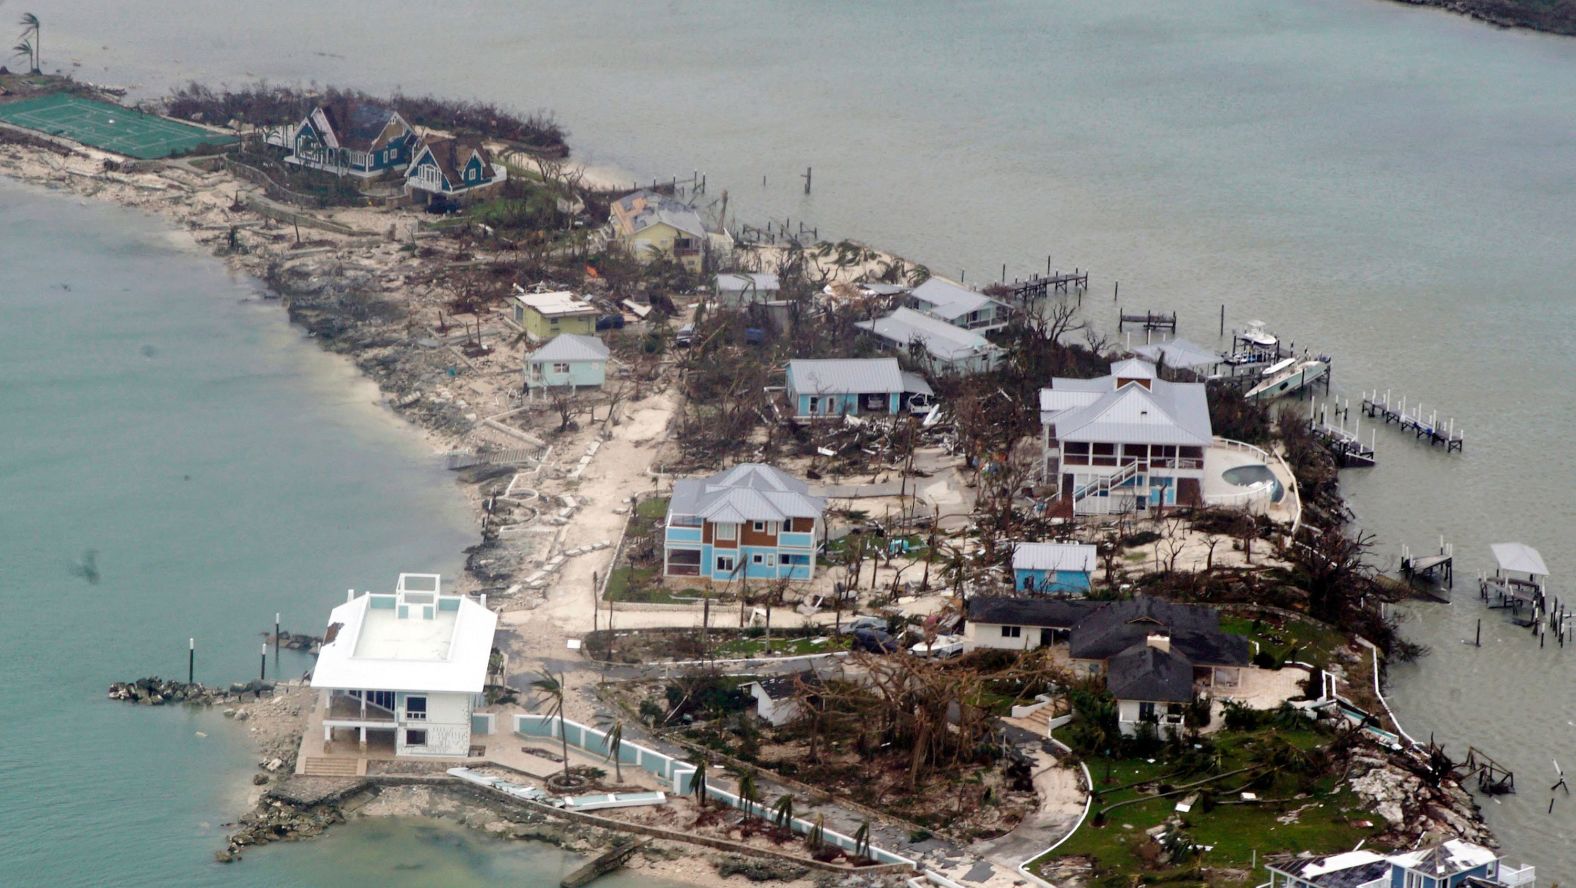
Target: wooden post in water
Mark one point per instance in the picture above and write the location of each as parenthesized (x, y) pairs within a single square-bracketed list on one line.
[(807, 172), (262, 665), (191, 659), (1115, 289), (1004, 272), (1478, 642), (1223, 319), (276, 644)]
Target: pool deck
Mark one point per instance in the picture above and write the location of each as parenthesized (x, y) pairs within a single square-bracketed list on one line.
[(1225, 456)]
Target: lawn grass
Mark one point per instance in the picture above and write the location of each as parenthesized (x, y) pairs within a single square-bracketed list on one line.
[(1311, 643), (1237, 832), (782, 647), (638, 584)]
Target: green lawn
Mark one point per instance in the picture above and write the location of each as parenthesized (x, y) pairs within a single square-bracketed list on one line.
[(1311, 643), (1235, 830), (783, 647), (638, 584)]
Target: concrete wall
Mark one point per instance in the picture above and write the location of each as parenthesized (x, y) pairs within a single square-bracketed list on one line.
[(448, 725), (989, 635)]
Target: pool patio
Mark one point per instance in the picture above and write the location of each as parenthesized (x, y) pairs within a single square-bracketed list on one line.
[(1254, 496)]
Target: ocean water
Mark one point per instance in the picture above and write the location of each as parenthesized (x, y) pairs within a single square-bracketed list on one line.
[(158, 413), (1389, 184)]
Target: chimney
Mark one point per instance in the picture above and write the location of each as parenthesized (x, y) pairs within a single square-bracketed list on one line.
[(1159, 641)]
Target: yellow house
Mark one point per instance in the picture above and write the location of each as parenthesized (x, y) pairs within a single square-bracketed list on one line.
[(649, 224), (545, 315)]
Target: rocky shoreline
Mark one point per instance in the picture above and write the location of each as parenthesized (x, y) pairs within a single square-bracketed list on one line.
[(1549, 18)]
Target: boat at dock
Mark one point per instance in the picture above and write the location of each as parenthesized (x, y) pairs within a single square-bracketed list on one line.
[(1289, 376)]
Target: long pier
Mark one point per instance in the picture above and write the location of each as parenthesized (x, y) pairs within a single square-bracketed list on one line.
[(1149, 320), (1043, 285), (1346, 445), (1424, 427)]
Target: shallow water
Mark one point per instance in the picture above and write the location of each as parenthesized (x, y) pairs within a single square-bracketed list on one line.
[(1389, 184), (221, 468)]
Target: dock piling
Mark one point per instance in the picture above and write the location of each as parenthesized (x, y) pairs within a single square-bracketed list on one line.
[(191, 659), (262, 665)]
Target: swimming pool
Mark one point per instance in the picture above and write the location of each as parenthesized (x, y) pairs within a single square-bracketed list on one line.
[(1248, 476)]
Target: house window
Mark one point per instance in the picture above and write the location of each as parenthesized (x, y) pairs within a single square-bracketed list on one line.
[(725, 531), (561, 367), (759, 526), (725, 563), (1012, 632), (1414, 880), (416, 708), (416, 738), (553, 322), (381, 699), (1146, 711)]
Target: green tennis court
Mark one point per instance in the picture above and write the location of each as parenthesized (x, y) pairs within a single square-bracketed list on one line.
[(106, 126)]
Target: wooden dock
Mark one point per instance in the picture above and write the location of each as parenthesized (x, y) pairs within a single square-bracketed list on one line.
[(603, 864), (1149, 320), (1423, 426), (1493, 778), (1439, 566), (1042, 285), (1346, 445)]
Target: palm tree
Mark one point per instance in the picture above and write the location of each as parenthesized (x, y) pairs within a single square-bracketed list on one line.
[(24, 48), (698, 782), (552, 688), (862, 840), (615, 742), (749, 792), (783, 816), (35, 47), (817, 836)]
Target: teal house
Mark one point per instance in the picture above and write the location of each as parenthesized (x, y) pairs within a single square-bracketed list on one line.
[(820, 388), (567, 360), (750, 522), (1053, 568), (450, 168), (349, 138)]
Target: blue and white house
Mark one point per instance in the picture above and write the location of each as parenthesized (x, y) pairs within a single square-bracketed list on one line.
[(940, 346), (350, 138), (751, 521), (405, 671), (451, 169), (1053, 568), (1453, 864), (958, 306), (568, 360), (819, 388)]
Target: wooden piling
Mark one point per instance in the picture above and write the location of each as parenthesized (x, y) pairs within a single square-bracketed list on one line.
[(191, 659)]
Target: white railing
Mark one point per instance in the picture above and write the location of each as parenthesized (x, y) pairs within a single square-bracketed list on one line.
[(1513, 877), (1381, 882)]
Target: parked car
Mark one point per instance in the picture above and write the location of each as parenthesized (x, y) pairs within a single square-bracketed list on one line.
[(920, 403), (866, 622), (875, 641), (610, 322), (943, 647), (685, 336)]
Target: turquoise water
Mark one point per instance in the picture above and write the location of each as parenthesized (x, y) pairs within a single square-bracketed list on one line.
[(222, 468), (1393, 185)]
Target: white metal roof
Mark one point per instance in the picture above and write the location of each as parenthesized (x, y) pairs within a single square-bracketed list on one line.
[(1096, 410), (819, 376), (373, 649), (738, 282), (1519, 557), (1054, 556), (571, 347), (942, 340), (947, 300), (1133, 368), (558, 302), (1180, 353)]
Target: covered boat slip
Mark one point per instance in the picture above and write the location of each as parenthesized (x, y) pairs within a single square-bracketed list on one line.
[(1518, 579)]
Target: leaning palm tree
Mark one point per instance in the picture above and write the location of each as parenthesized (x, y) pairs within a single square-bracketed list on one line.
[(698, 782), (783, 811), (24, 48), (35, 47), (749, 790), (552, 688), (615, 743), (862, 840)]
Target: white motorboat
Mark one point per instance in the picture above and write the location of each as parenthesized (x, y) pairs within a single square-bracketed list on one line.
[(1288, 377)]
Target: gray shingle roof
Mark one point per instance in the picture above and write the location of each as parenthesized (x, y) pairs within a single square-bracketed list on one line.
[(1143, 672), (844, 376), (571, 347), (1055, 613), (746, 492), (1053, 556), (1194, 631)]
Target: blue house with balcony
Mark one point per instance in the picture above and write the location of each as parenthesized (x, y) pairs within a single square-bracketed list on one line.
[(1453, 864), (1053, 568), (751, 521), (820, 388), (451, 169), (349, 138)]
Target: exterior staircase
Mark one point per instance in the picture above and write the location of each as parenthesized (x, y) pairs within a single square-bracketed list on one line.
[(1037, 722), (318, 766), (1103, 486)]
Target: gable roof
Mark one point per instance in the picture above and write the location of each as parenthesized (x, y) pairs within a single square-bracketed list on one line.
[(1180, 353), (739, 282), (746, 492), (1095, 410), (639, 210), (1194, 631), (1054, 556), (354, 125), (451, 156), (571, 347), (1519, 557), (844, 376), (949, 301), (559, 303), (783, 687), (1054, 613), (1145, 672), (942, 340)]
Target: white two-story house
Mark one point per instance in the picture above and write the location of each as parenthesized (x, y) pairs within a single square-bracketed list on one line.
[(405, 670), (1124, 442)]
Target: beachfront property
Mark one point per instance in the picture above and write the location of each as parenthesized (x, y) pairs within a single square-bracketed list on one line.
[(444, 169), (350, 138), (1124, 442), (649, 224), (958, 306), (1452, 864), (545, 315), (819, 388), (404, 671), (1156, 656), (567, 361), (945, 348), (1053, 568), (751, 521)]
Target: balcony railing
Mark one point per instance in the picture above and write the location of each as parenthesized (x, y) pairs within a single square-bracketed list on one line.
[(342, 707), (1512, 877)]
